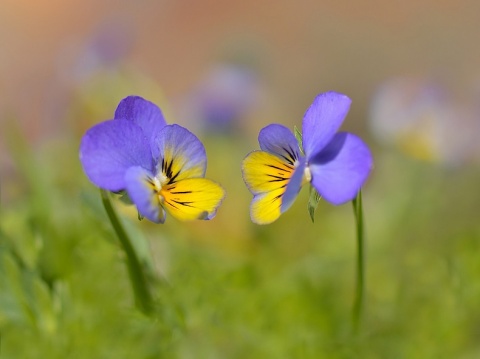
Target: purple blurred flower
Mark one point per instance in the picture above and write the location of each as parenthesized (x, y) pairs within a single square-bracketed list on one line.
[(158, 165), (222, 98), (335, 163), (421, 119)]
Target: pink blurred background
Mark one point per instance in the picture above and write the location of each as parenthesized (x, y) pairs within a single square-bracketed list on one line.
[(297, 49)]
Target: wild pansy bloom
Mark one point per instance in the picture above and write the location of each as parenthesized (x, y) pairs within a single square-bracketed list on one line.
[(335, 163), (159, 166)]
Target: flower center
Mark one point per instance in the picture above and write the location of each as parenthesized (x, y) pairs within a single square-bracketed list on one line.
[(307, 176), (158, 182)]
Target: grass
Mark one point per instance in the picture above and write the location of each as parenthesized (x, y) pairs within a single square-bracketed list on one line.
[(230, 289)]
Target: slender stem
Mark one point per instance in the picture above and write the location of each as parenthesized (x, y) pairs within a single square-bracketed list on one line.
[(359, 295), (136, 272)]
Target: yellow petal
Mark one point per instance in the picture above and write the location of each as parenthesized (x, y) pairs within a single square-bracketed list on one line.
[(265, 172), (176, 167), (192, 198), (265, 208)]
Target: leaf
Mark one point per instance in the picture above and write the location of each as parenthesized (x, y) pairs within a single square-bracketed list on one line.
[(125, 198), (298, 136), (313, 202)]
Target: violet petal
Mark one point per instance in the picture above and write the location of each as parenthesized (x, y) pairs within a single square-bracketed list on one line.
[(341, 168), (322, 120), (141, 190), (180, 153), (279, 140), (109, 148), (293, 186), (144, 113)]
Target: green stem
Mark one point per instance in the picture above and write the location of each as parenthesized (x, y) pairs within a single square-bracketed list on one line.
[(136, 272), (359, 295)]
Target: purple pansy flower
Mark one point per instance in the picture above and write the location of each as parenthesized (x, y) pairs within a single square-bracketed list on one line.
[(158, 165), (335, 163)]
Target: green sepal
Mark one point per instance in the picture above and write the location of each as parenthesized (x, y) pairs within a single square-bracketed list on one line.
[(298, 136), (125, 198), (313, 202)]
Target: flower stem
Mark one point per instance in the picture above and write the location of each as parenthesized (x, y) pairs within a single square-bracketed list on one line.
[(358, 304), (136, 272)]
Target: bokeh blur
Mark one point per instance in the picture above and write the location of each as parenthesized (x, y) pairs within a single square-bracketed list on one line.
[(227, 288)]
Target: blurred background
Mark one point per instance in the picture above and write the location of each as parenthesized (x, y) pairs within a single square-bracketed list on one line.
[(227, 288)]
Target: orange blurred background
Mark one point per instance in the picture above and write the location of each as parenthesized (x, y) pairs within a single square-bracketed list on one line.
[(298, 48)]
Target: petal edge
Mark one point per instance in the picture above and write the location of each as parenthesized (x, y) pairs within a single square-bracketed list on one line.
[(142, 192), (322, 120), (109, 149), (182, 153), (279, 140), (143, 113), (340, 170)]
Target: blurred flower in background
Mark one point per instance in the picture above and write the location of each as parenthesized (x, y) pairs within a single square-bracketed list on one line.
[(108, 46), (98, 73), (423, 120), (222, 98)]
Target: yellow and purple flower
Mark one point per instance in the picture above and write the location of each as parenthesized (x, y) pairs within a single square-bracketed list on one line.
[(335, 163), (159, 166), (422, 119)]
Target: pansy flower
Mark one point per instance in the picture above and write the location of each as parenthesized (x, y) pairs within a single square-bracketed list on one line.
[(335, 163), (159, 166)]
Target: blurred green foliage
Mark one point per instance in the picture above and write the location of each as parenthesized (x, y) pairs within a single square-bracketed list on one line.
[(229, 289)]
